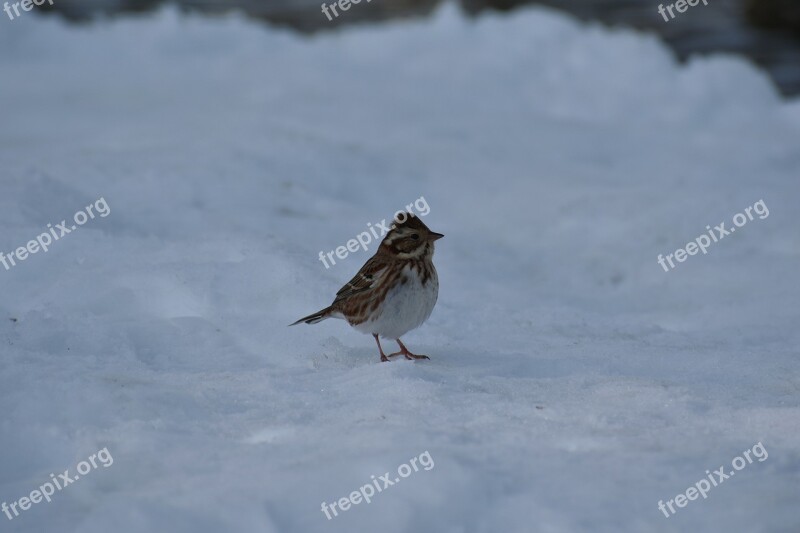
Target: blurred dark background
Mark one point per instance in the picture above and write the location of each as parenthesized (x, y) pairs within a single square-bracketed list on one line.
[(766, 31)]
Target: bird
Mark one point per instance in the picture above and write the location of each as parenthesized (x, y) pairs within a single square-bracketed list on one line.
[(396, 289)]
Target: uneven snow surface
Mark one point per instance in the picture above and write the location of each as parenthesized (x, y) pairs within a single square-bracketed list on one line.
[(573, 383)]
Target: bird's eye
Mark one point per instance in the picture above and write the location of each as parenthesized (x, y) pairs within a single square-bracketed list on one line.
[(415, 237)]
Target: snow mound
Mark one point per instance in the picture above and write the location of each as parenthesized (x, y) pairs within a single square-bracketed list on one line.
[(572, 384)]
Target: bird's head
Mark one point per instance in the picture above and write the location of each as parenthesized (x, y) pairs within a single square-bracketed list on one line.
[(409, 237)]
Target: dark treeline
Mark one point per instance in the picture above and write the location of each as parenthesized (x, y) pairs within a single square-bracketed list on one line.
[(766, 31)]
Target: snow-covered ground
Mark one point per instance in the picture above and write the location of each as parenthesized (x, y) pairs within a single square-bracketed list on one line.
[(572, 383)]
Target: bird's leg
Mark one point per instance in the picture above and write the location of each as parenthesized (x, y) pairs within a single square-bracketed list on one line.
[(404, 351), (383, 355)]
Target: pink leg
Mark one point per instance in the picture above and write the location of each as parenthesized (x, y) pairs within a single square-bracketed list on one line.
[(404, 351), (383, 355)]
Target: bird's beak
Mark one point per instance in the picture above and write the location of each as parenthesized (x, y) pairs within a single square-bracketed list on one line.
[(435, 236)]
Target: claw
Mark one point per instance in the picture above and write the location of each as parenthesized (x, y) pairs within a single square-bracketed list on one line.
[(403, 351)]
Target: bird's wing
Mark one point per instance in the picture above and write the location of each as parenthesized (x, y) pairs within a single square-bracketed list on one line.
[(367, 277)]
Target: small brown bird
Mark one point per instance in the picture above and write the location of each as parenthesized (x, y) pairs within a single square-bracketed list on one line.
[(395, 291)]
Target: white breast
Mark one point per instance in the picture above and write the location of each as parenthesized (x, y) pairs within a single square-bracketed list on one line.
[(406, 307)]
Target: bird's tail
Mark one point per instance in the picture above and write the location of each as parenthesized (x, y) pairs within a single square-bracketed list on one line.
[(319, 316)]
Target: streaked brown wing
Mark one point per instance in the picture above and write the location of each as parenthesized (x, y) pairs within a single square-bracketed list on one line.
[(366, 278)]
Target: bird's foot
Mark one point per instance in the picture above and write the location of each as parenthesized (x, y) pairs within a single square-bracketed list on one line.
[(409, 355), (404, 351)]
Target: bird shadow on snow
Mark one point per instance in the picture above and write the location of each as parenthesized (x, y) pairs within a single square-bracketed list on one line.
[(333, 354)]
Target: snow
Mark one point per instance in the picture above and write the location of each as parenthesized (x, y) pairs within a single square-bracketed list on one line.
[(572, 383)]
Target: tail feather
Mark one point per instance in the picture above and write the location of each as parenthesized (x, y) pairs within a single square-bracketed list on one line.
[(313, 318)]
